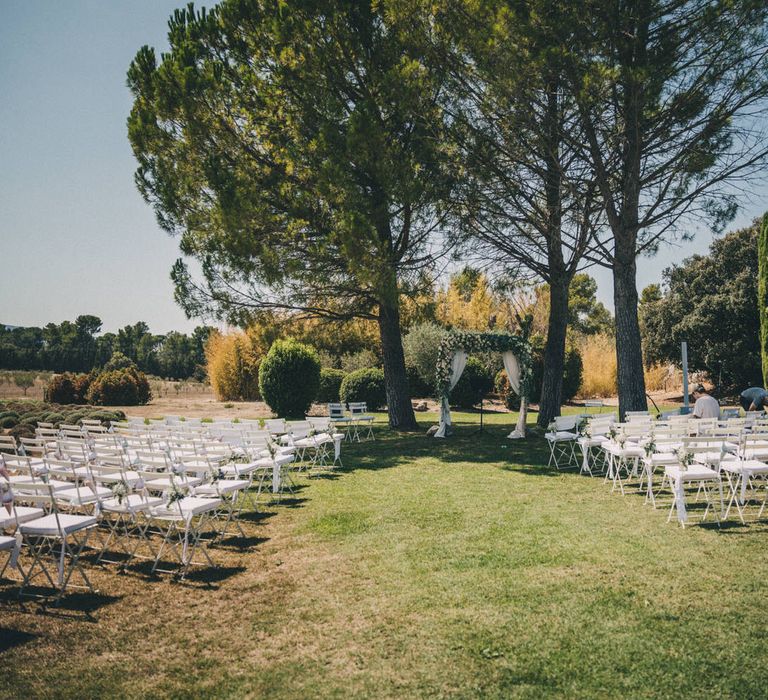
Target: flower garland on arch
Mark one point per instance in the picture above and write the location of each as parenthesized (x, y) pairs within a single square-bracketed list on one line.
[(474, 341)]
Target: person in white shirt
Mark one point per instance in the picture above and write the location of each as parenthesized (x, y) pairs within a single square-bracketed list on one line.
[(706, 406)]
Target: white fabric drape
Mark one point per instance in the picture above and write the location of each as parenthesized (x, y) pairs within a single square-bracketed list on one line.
[(512, 367), (458, 363)]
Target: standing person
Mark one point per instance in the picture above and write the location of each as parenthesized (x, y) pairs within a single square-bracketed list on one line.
[(754, 398), (706, 406)]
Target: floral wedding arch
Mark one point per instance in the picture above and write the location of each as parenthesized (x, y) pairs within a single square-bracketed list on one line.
[(452, 359)]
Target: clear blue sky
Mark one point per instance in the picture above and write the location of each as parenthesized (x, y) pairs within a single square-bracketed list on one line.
[(75, 236)]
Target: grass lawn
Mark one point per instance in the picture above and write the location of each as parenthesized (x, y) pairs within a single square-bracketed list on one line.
[(457, 568)]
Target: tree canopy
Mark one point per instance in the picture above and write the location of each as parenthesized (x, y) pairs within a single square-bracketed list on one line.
[(710, 302)]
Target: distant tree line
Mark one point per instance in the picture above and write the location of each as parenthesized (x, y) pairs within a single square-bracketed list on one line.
[(78, 346)]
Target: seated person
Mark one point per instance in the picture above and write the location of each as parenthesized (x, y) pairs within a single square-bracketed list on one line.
[(753, 399), (706, 406)]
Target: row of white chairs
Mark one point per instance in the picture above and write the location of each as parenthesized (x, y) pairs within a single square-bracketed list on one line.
[(722, 460), (141, 486)]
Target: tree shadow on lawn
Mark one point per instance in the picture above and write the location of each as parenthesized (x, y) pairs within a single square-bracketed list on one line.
[(392, 449)]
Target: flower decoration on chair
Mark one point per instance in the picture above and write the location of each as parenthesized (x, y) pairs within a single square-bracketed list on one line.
[(685, 458), (481, 342), (175, 494), (650, 445), (215, 474), (120, 491)]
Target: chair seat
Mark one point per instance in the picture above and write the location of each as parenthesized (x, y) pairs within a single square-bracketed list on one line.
[(132, 503), (752, 466), (244, 468), (56, 484), (221, 486), (7, 543), (48, 526), (186, 508), (23, 513), (164, 483), (696, 472), (131, 478), (560, 436), (83, 495)]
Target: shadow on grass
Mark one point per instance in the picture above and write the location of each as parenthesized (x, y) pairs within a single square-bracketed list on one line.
[(13, 638), (41, 600), (392, 449)]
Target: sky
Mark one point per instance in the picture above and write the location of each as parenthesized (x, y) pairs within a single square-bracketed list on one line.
[(75, 235)]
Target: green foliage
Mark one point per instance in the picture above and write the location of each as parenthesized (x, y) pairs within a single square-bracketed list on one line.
[(762, 294), (120, 387), (289, 378), (421, 346), (475, 382), (330, 385), (709, 301), (419, 388), (9, 421), (365, 385), (73, 346), (119, 361), (573, 371), (362, 359), (587, 315)]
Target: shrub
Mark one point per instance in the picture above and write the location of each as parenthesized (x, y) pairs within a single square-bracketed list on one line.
[(419, 388), (421, 345), (68, 388), (233, 367), (365, 385), (503, 388), (118, 361), (289, 378), (330, 385), (22, 430), (475, 382), (120, 387), (364, 359), (9, 422), (573, 373), (61, 388)]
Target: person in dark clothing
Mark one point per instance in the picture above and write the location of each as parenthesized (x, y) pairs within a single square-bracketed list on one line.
[(753, 399)]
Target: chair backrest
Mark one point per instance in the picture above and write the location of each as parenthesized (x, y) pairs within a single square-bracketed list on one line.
[(562, 423), (45, 424), (336, 411), (155, 459), (90, 422), (34, 447), (8, 444), (358, 408), (276, 426), (322, 423)]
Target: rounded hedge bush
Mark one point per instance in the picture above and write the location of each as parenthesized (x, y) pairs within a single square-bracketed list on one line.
[(120, 387), (365, 385), (9, 422), (61, 388), (289, 378), (475, 382), (330, 385)]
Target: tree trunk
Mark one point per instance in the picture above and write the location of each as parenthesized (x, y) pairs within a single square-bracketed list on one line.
[(629, 354), (399, 408), (554, 353)]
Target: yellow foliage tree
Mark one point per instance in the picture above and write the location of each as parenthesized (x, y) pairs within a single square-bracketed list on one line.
[(233, 366)]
